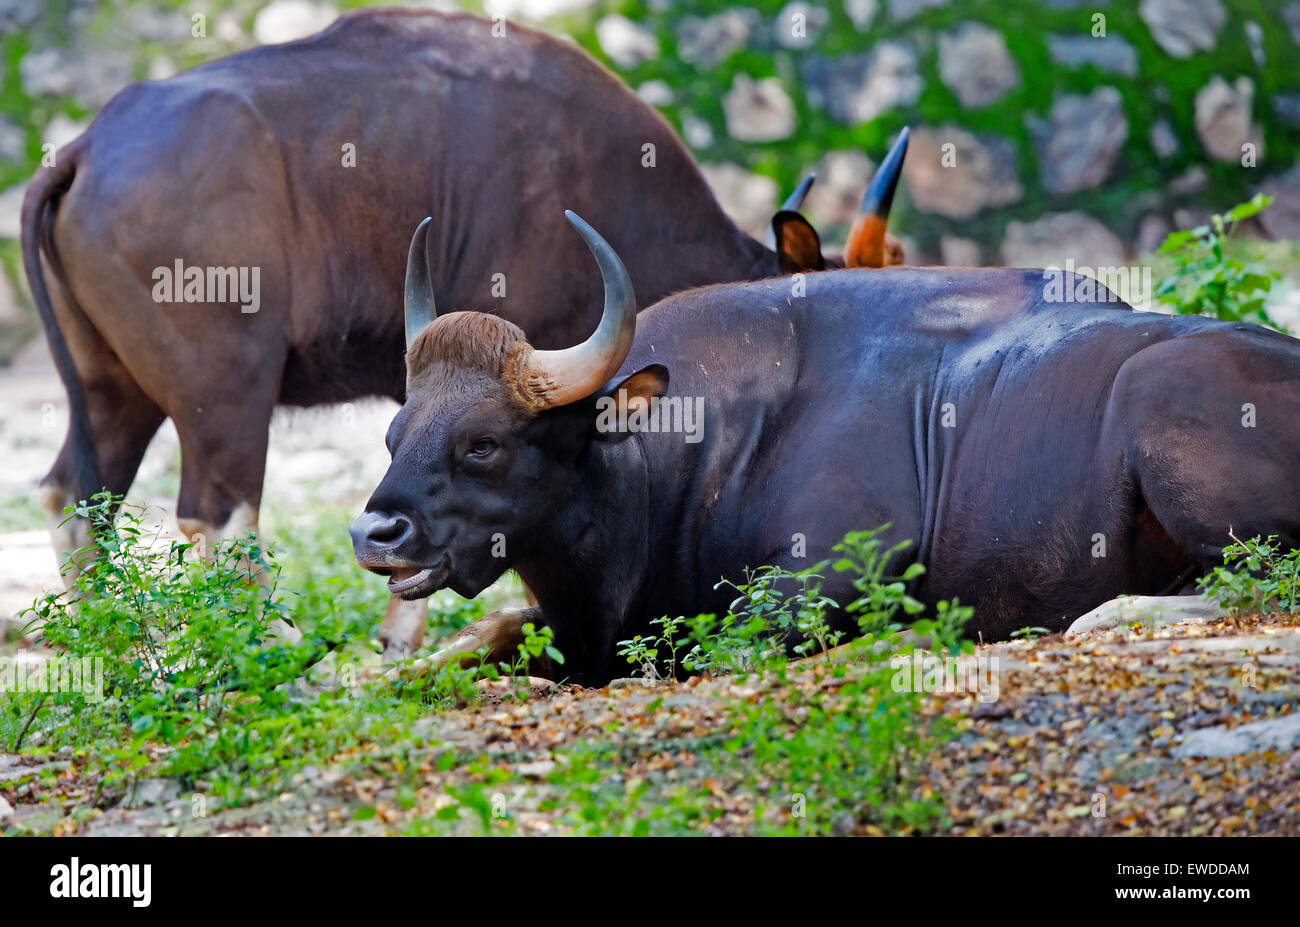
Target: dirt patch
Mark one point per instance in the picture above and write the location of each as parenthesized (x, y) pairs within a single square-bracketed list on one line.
[(1081, 739)]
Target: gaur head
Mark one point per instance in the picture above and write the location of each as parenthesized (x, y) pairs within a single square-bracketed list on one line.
[(798, 246), (486, 445)]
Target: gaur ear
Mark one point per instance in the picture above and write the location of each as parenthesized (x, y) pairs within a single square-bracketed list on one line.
[(635, 392), (798, 248)]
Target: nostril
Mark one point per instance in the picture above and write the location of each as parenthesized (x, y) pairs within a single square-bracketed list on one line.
[(379, 530), (391, 532)]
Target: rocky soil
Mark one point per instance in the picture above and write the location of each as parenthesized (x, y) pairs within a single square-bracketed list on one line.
[(1183, 728)]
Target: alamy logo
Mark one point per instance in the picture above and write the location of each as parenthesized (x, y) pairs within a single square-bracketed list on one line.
[(931, 673), (682, 414), (181, 284), (28, 673), (1083, 284), (105, 880)]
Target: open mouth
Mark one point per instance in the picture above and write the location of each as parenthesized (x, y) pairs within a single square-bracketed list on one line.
[(414, 582)]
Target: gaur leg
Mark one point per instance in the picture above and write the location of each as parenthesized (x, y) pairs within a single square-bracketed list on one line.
[(122, 421), (501, 632), (223, 461), (402, 631), (1214, 439)]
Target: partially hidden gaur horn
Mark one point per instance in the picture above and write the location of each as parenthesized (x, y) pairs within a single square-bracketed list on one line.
[(866, 244), (792, 204), (420, 310), (556, 378)]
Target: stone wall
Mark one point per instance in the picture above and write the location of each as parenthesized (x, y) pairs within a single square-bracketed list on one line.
[(1041, 128)]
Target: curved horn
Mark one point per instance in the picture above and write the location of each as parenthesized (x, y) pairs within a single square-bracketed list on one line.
[(560, 377), (420, 310), (866, 244), (792, 204)]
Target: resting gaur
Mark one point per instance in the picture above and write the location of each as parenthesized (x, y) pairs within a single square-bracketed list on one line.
[(1002, 432), (230, 239)]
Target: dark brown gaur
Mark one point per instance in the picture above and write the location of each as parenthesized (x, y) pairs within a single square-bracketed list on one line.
[(244, 163), (999, 428)]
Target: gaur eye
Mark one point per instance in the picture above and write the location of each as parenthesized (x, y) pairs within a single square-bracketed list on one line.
[(482, 448)]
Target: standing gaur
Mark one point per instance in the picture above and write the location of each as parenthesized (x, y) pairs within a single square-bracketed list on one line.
[(291, 174), (999, 430)]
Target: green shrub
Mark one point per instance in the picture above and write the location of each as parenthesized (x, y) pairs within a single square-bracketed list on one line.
[(822, 758), (1212, 279), (1256, 576), (196, 683)]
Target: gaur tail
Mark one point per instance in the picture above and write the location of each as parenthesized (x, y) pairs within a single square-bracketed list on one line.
[(40, 207)]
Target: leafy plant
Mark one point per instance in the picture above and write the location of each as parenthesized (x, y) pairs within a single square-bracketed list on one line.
[(1256, 576), (642, 651), (880, 597), (1030, 633), (821, 759), (196, 683), (1211, 279)]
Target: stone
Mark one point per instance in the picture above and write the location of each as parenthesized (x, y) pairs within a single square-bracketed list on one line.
[(11, 210), (750, 199), (862, 12), (1152, 232), (11, 312), (1148, 609), (160, 25), (1109, 53), (1255, 36), (626, 43), (6, 809), (13, 142), (1281, 221), (1291, 16), (978, 172), (288, 20), (1059, 235), (655, 92), (153, 792), (1080, 140), (798, 24), (538, 769), (91, 77), (162, 68), (1277, 734), (15, 773), (696, 131), (1189, 217), (975, 65), (1223, 118), (710, 41), (1287, 106), (1192, 180), (1163, 139), (903, 10), (228, 28), (19, 14), (758, 110), (858, 88), (959, 252), (62, 129), (842, 178), (535, 10), (1183, 27)]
